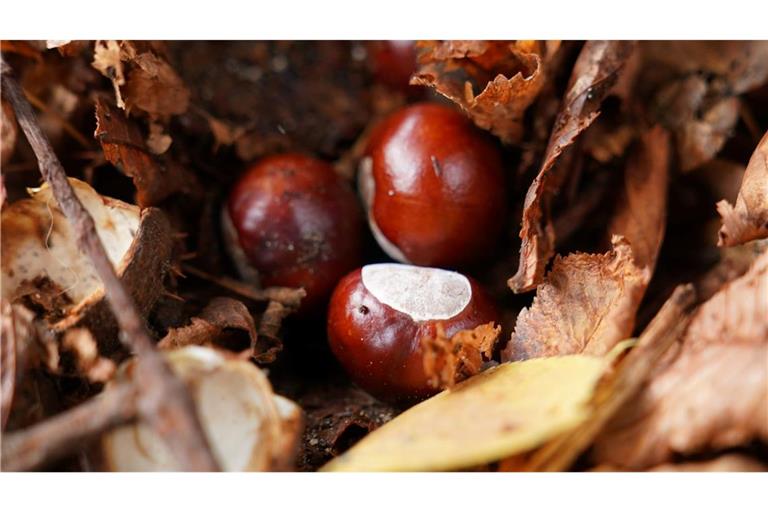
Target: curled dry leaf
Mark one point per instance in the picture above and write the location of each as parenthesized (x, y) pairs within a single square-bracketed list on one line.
[(141, 78), (596, 71), (41, 261), (688, 405), (691, 407), (248, 427), (451, 360), (748, 220), (642, 207), (507, 74), (154, 87), (694, 85), (737, 313), (8, 131), (504, 411), (107, 59), (208, 329), (124, 147), (586, 304)]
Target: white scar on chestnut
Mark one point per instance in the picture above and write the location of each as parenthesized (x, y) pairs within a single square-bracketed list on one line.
[(420, 292)]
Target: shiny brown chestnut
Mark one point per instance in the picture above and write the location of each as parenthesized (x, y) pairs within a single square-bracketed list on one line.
[(379, 314), (290, 220), (393, 64), (433, 186)]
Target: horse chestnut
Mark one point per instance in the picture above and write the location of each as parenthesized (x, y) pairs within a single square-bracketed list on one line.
[(292, 221), (433, 186), (393, 64), (379, 314)]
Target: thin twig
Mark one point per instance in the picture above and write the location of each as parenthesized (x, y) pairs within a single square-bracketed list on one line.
[(290, 297), (67, 432), (164, 401)]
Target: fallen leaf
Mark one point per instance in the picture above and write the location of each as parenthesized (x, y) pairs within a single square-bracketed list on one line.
[(507, 74), (737, 313), (709, 399), (586, 304), (124, 147), (107, 60), (620, 384), (748, 220), (688, 404), (642, 214), (153, 86), (503, 411), (141, 78), (208, 327), (451, 360), (694, 87), (596, 71)]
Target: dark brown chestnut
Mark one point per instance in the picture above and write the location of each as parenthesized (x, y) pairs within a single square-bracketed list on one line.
[(433, 186), (379, 314), (290, 220), (393, 64)]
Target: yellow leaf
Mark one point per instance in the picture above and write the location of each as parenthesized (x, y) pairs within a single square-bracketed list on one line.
[(501, 412)]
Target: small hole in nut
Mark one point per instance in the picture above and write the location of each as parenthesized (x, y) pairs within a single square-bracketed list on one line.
[(364, 310)]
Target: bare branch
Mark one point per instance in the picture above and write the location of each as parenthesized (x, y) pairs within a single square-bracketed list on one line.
[(73, 429)]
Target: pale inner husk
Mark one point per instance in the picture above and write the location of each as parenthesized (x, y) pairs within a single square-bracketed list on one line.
[(37, 242), (241, 416)]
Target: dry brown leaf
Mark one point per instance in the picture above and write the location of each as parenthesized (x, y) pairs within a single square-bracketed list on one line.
[(642, 214), (451, 360), (748, 220), (107, 59), (700, 139), (689, 404), (507, 74), (694, 85), (585, 305), (154, 87), (737, 313), (207, 329), (619, 385), (141, 78), (8, 131), (124, 146), (596, 71), (712, 398)]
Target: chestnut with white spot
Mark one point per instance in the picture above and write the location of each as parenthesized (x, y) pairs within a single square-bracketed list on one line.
[(379, 314)]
